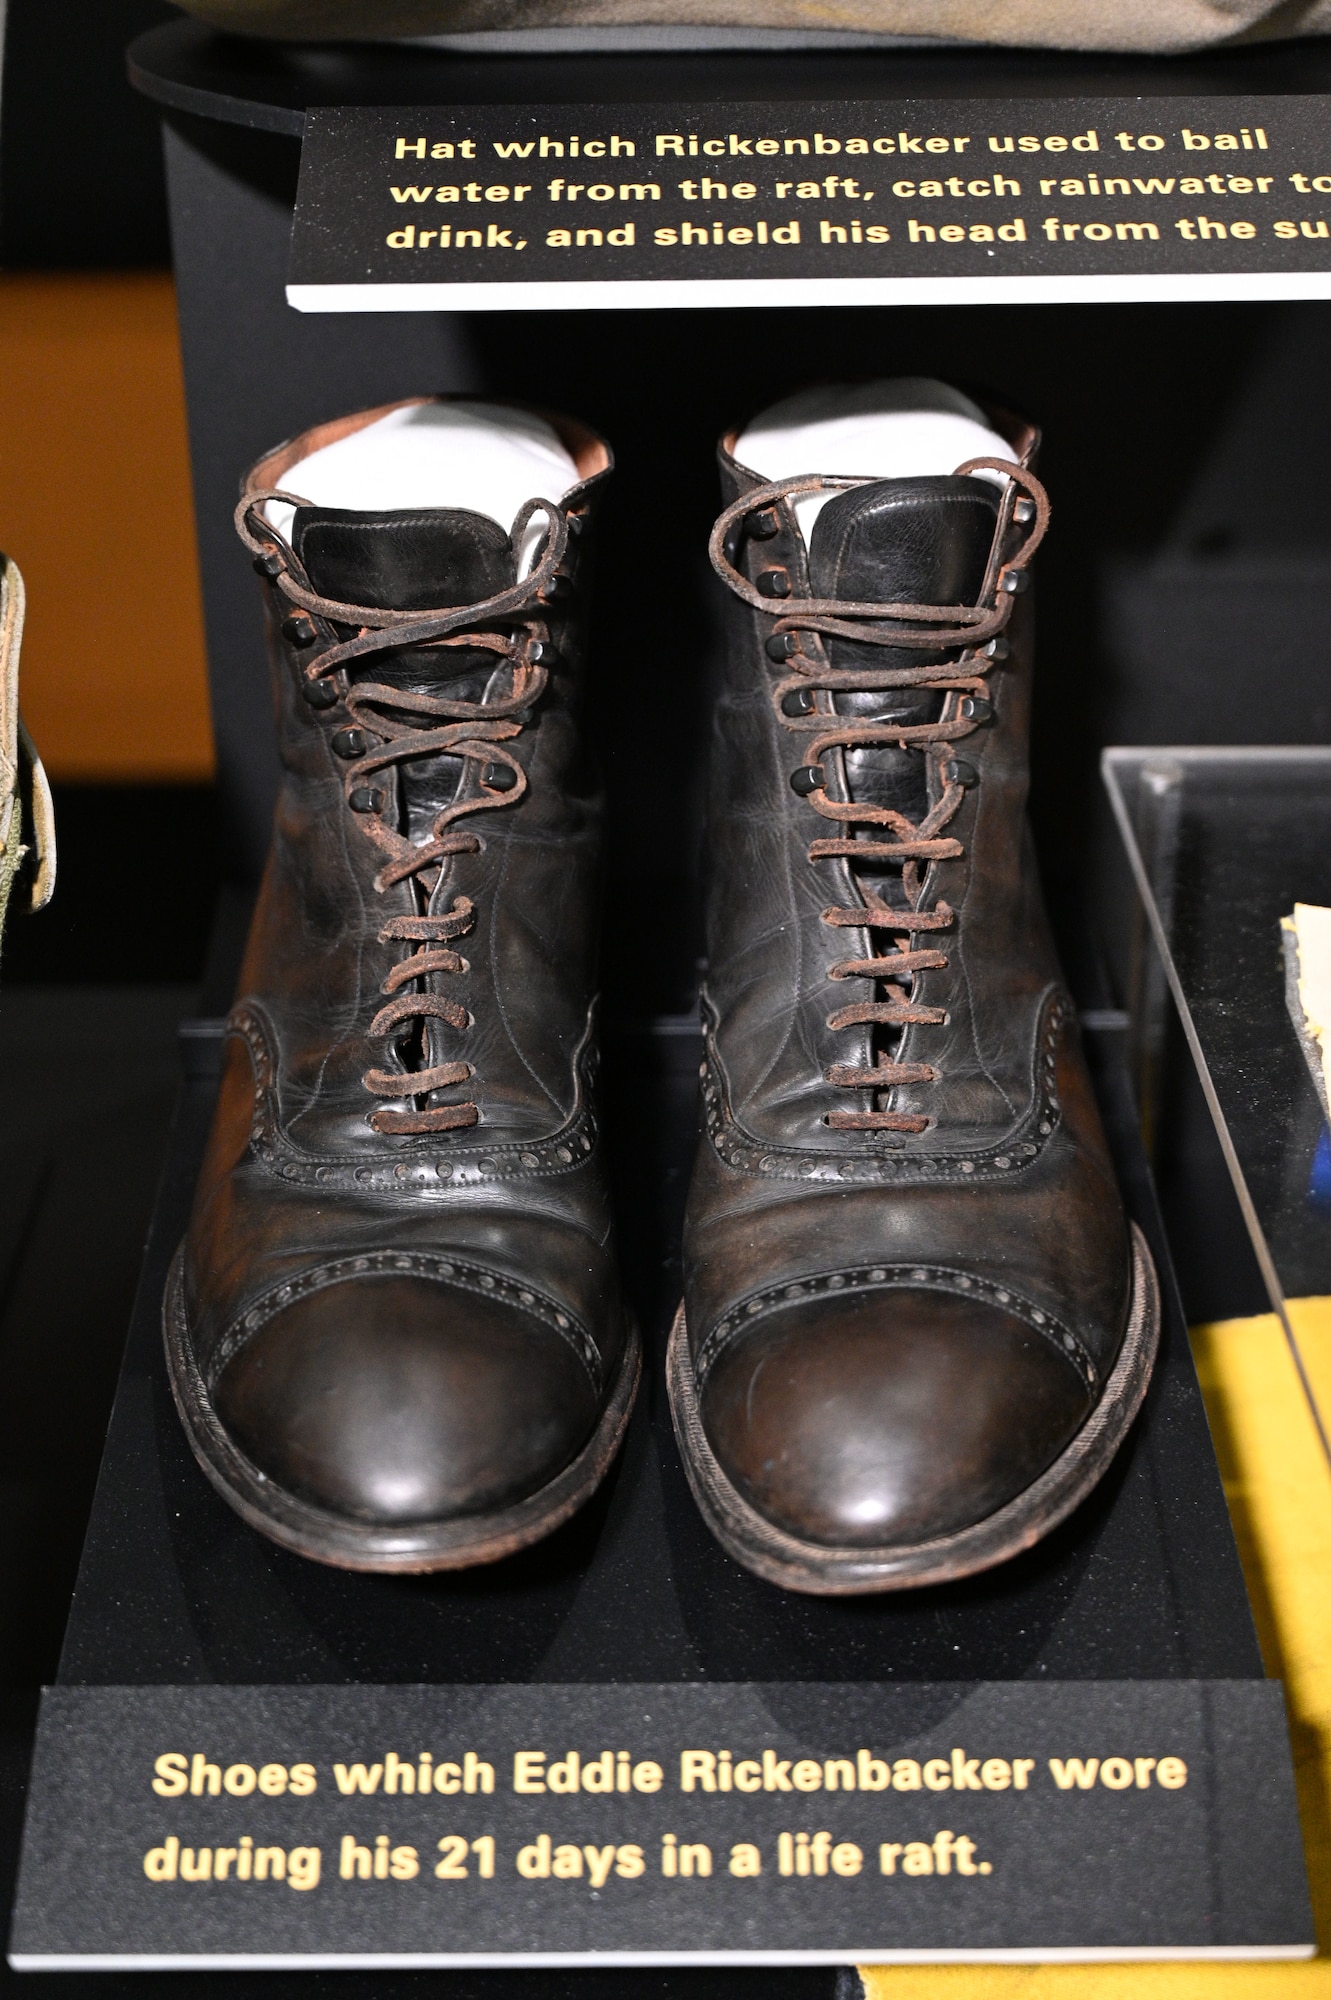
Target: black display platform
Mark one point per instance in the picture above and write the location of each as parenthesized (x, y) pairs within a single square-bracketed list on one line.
[(1142, 1583)]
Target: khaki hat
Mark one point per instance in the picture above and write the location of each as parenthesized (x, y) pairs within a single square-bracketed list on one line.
[(1157, 27)]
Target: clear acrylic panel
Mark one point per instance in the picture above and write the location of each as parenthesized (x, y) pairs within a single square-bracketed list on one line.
[(1223, 843)]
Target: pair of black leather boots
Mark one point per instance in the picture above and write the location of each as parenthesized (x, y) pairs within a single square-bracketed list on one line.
[(916, 1325)]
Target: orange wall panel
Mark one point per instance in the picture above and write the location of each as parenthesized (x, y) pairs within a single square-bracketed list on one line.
[(96, 509)]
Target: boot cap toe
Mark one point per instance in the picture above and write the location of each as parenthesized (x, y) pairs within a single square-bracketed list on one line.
[(872, 1420), (391, 1400)]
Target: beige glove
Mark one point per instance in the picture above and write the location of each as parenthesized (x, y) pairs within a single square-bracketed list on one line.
[(24, 791), (1157, 26)]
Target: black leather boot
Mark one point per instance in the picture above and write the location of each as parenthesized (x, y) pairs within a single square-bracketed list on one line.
[(394, 1329), (916, 1325)]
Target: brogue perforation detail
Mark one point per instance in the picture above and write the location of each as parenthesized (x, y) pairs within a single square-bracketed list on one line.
[(739, 1150), (423, 1169), (456, 1272), (894, 1277)]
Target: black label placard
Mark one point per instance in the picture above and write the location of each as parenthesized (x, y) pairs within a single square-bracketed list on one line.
[(813, 203), (794, 1823)]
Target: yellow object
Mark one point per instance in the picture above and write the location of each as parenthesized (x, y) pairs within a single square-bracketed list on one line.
[(1279, 1490), (96, 509)]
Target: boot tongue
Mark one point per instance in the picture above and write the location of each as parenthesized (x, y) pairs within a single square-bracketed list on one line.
[(414, 561), (905, 541), (422, 560), (899, 541)]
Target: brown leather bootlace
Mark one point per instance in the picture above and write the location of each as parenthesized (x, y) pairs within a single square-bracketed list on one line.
[(401, 725), (804, 624)]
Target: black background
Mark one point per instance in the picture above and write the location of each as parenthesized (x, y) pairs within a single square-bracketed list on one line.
[(80, 155)]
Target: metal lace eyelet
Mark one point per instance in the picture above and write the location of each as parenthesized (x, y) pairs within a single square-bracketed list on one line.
[(808, 778), (799, 701)]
